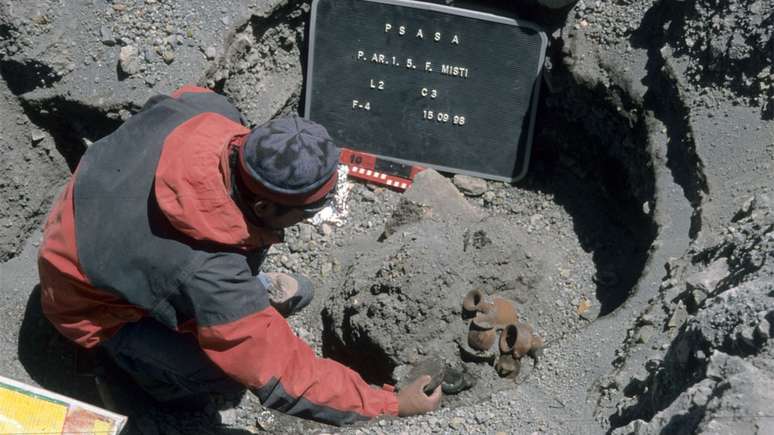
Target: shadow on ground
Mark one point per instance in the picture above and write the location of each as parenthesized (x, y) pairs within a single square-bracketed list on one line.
[(49, 358), (595, 163)]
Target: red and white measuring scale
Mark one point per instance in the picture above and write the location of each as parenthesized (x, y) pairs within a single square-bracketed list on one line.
[(373, 169)]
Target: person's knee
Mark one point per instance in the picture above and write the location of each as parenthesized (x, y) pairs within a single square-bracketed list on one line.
[(167, 364)]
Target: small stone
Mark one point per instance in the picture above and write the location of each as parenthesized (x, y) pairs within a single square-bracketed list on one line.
[(645, 334), (470, 186), (489, 197), (763, 330), (288, 262), (228, 417), (746, 208), (265, 420), (367, 195), (168, 55), (210, 52), (296, 245), (106, 36), (456, 423), (747, 335), (305, 232), (708, 279), (696, 297), (679, 316), (583, 306), (36, 136), (129, 60), (325, 230), (40, 20), (327, 268)]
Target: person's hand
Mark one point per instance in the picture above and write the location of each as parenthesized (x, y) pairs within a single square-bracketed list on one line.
[(412, 399)]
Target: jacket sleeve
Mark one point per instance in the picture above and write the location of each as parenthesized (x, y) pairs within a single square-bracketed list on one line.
[(252, 343)]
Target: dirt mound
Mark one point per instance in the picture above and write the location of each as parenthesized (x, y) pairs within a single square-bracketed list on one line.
[(400, 299)]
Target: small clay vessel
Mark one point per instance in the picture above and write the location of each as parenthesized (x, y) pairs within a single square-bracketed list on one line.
[(481, 338), (504, 312), (517, 339), (473, 301), (507, 366), (484, 320), (468, 354), (498, 314)]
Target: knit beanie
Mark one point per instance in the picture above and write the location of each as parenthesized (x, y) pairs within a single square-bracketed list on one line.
[(289, 161)]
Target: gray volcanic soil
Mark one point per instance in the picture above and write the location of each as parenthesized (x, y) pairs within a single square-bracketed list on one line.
[(649, 197)]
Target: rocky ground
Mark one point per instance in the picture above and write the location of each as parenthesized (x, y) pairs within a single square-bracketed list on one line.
[(639, 244)]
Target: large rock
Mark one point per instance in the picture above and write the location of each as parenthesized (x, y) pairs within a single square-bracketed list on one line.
[(470, 186)]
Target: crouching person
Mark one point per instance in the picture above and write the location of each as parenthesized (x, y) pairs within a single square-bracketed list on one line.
[(153, 253)]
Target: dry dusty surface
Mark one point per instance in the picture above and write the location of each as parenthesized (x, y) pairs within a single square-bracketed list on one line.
[(640, 245)]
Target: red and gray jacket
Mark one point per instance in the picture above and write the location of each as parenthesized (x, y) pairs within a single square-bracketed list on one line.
[(147, 227)]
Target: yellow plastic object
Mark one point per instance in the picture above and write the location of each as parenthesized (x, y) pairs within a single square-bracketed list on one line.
[(23, 413), (25, 409)]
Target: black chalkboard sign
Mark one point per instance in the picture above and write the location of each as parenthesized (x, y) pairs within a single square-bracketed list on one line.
[(416, 82)]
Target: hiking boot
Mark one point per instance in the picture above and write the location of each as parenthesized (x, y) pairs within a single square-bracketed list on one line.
[(288, 294)]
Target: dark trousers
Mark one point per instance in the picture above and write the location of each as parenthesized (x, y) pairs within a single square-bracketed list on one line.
[(167, 364)]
